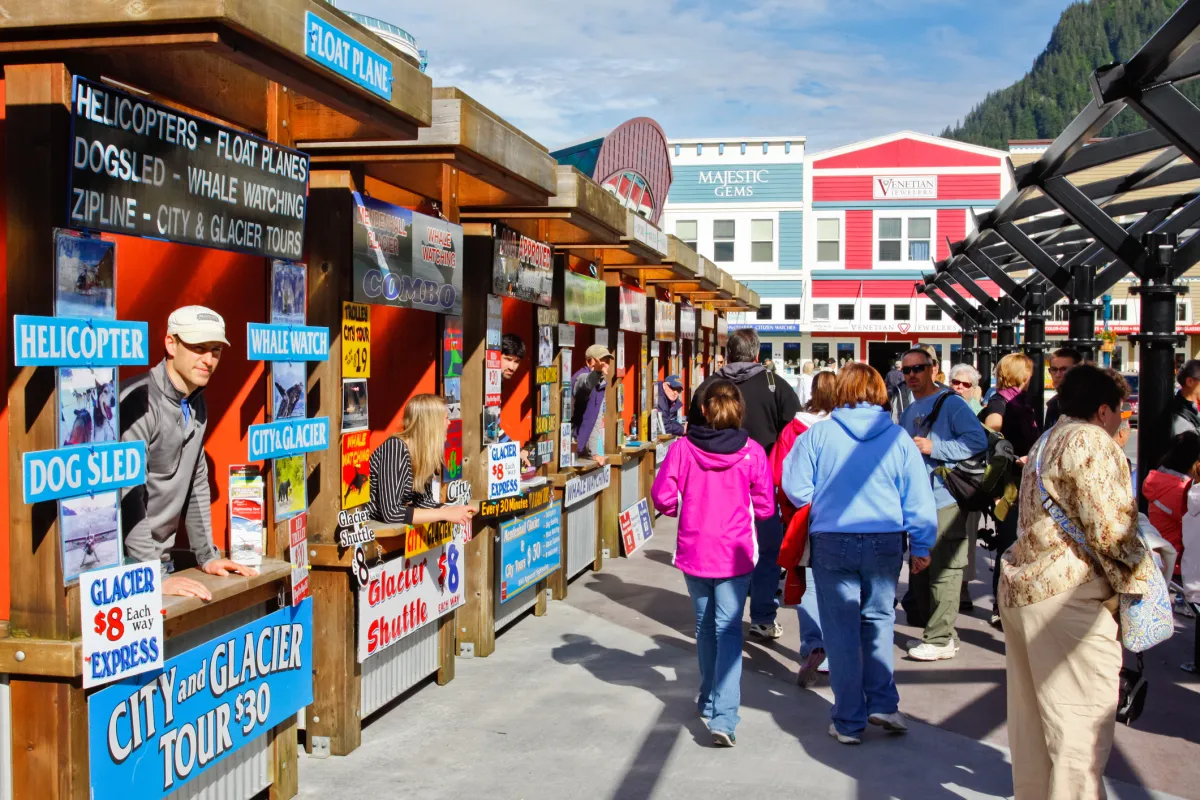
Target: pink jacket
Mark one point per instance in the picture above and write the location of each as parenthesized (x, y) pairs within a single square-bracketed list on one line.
[(716, 482)]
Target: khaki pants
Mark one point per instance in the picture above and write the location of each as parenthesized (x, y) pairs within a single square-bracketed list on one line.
[(945, 575), (1063, 661)]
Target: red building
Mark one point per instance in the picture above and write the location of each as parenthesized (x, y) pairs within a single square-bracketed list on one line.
[(881, 212)]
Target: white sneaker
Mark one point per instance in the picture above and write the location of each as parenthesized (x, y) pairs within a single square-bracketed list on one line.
[(892, 723), (912, 644), (771, 630), (933, 652), (841, 737)]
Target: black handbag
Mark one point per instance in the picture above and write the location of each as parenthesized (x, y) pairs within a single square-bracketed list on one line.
[(1132, 693)]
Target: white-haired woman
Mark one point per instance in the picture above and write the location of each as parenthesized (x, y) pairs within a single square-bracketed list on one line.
[(965, 380)]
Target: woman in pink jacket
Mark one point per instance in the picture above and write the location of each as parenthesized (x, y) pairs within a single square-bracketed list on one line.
[(717, 481)]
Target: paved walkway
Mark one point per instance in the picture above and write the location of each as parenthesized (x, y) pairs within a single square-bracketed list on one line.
[(596, 700)]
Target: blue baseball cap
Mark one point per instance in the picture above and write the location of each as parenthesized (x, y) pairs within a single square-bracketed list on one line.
[(674, 382)]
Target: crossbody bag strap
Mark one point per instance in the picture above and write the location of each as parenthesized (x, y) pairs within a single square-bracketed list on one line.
[(1056, 511)]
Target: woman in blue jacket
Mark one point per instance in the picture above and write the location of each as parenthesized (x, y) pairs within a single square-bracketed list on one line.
[(868, 488)]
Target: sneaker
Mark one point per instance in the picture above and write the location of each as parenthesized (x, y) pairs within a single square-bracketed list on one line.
[(892, 723), (770, 630), (723, 739), (932, 652), (843, 738), (810, 668), (912, 644), (995, 622)]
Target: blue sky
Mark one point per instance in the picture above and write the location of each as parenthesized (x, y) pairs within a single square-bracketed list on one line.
[(836, 71)]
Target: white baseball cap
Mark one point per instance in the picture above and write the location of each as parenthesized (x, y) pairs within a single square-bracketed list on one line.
[(197, 325)]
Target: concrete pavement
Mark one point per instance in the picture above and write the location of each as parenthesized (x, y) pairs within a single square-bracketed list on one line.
[(596, 699)]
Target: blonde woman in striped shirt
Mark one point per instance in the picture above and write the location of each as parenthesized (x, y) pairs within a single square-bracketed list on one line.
[(404, 466)]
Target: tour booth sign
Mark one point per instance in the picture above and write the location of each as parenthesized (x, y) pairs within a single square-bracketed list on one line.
[(143, 169)]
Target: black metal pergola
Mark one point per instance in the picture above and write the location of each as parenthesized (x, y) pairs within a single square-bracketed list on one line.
[(1052, 237)]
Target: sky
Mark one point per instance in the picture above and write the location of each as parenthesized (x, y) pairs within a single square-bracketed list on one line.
[(835, 71)]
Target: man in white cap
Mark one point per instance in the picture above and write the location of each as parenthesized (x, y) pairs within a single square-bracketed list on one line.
[(165, 408)]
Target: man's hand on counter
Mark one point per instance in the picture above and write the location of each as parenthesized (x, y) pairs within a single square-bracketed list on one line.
[(601, 460), (179, 586), (221, 567), (457, 515)]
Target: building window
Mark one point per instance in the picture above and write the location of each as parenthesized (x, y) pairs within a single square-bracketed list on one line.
[(820, 311), (845, 353), (933, 314), (829, 239), (918, 238), (875, 313), (764, 311), (890, 244), (846, 311), (677, 148), (1060, 313), (792, 311), (723, 240), (685, 230), (1181, 310), (633, 191), (699, 149), (762, 240), (765, 148), (820, 354), (721, 149), (787, 148), (901, 312), (743, 148), (1120, 312)]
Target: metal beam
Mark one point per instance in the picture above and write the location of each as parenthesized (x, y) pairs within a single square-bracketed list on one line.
[(1173, 115), (945, 306), (982, 315), (1037, 258), (1105, 152), (992, 270), (1093, 219), (967, 282)]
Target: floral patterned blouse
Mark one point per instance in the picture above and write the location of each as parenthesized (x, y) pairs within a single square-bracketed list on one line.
[(1086, 473)]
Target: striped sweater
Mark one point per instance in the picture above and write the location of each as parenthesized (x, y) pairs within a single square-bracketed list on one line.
[(392, 495)]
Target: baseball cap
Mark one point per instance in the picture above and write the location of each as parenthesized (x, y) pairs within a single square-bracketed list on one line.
[(597, 351), (196, 325), (674, 382)]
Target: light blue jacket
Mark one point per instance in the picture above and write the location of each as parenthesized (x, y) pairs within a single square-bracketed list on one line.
[(957, 434), (862, 474)]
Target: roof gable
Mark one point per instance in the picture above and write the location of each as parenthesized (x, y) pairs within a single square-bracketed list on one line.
[(907, 150)]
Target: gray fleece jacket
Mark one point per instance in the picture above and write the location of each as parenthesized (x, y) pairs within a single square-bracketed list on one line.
[(176, 472)]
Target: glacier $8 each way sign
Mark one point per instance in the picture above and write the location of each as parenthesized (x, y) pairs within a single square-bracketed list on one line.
[(153, 733)]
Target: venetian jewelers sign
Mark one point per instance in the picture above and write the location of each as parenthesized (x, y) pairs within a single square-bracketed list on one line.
[(904, 187), (143, 169), (151, 735)]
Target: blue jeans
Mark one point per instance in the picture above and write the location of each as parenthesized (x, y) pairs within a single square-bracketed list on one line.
[(810, 618), (718, 603), (764, 581), (856, 577)]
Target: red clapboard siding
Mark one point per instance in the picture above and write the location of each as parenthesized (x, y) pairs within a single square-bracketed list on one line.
[(840, 188), (850, 290), (906, 153), (988, 286), (969, 187), (859, 241), (952, 223)]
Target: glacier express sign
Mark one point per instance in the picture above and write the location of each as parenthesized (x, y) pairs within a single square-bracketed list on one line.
[(733, 182), (904, 187)]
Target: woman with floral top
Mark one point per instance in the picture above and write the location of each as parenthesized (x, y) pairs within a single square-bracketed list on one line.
[(1059, 605)]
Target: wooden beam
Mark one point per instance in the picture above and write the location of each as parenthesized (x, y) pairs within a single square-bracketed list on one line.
[(43, 657), (337, 675), (37, 124), (49, 739)]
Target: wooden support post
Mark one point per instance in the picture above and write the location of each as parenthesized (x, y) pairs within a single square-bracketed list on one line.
[(540, 605), (285, 775), (475, 619), (49, 716), (447, 627), (337, 675), (608, 534), (557, 581)]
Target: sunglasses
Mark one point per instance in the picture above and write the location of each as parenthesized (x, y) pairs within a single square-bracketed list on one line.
[(964, 384), (1059, 369), (915, 369)]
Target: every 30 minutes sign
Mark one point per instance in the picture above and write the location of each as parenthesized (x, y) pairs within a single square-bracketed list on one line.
[(150, 735)]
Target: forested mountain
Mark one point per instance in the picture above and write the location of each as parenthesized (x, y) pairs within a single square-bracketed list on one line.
[(1089, 34)]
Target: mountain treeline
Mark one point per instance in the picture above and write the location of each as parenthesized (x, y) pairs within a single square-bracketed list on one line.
[(1089, 34)]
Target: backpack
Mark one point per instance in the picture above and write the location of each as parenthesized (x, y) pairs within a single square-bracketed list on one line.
[(979, 481)]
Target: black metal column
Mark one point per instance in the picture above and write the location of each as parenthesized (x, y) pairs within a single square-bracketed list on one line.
[(1035, 347), (1006, 329), (967, 348), (1156, 352), (983, 355), (1081, 312)]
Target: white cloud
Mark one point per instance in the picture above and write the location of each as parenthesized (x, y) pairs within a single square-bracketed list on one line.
[(564, 70)]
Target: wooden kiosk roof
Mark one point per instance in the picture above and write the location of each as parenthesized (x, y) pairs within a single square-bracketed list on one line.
[(498, 164), (219, 57)]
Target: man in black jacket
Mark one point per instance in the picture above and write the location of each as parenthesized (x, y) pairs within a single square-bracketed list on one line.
[(771, 404), (1061, 360), (1184, 416)]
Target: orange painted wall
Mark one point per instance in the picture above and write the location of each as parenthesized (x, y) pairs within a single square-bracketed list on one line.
[(4, 347), (632, 367), (405, 351), (517, 393)]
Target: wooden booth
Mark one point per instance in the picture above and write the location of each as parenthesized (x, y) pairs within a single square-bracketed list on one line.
[(584, 224), (149, 164), (393, 257)]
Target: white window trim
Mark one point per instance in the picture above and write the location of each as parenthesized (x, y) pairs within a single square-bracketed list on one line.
[(841, 221), (774, 220), (904, 214)]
